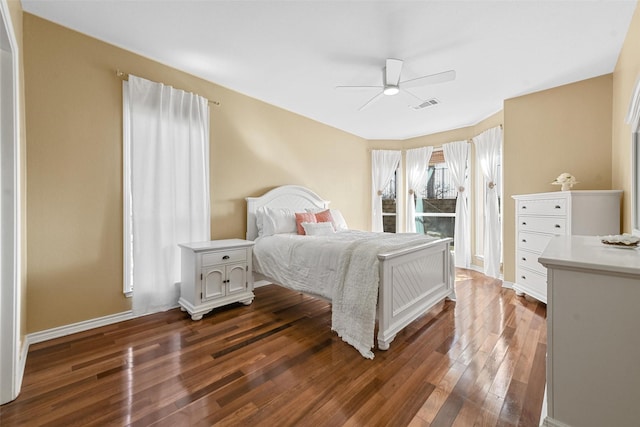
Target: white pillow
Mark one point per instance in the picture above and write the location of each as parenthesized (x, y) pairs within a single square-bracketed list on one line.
[(317, 228), (339, 224), (284, 220), (260, 216), (272, 221), (338, 220)]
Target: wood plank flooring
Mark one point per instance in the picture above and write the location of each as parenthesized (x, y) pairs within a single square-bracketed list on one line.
[(477, 362)]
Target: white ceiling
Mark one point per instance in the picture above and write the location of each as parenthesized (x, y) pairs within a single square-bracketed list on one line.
[(292, 54)]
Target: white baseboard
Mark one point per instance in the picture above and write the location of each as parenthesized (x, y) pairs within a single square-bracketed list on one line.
[(508, 285), (544, 411), (73, 328), (550, 422)]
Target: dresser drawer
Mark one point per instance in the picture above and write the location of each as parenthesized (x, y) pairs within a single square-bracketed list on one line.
[(529, 260), (533, 242), (542, 207), (543, 224), (532, 283), (212, 258)]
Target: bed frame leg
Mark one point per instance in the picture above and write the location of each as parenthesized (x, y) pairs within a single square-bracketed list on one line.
[(384, 344)]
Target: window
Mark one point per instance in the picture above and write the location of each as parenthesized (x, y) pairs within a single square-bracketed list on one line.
[(436, 202), (390, 205), (166, 187)]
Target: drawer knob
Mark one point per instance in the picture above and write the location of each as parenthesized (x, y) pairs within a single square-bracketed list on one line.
[(524, 207), (524, 240), (558, 226), (557, 206), (524, 259), (225, 257), (523, 277), (524, 223)]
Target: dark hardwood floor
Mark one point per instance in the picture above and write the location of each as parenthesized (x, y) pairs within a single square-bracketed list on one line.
[(477, 362)]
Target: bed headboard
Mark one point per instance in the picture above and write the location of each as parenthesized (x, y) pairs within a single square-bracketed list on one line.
[(294, 197)]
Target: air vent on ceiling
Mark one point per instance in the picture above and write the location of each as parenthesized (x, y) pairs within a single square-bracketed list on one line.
[(428, 103)]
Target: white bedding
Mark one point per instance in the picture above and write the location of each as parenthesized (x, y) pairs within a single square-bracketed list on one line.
[(342, 267)]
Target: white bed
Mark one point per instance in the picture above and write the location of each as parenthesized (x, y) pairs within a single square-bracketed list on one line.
[(412, 278)]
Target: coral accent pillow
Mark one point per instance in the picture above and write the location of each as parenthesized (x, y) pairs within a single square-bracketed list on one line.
[(324, 216), (304, 217)]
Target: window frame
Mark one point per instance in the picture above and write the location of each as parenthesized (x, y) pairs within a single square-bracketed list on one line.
[(399, 200), (433, 214), (127, 253), (633, 119)]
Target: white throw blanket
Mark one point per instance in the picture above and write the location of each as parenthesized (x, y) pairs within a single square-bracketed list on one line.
[(342, 267), (356, 295)]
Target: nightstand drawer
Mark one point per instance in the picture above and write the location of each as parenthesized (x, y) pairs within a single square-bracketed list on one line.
[(213, 258), (542, 224), (542, 207)]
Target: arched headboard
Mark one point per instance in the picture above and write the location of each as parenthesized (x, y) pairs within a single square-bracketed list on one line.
[(294, 197)]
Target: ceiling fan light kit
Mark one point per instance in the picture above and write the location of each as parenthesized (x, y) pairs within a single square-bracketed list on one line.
[(390, 90), (393, 86)]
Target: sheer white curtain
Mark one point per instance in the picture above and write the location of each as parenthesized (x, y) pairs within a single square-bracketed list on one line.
[(383, 164), (455, 155), (417, 164), (166, 187), (488, 158)]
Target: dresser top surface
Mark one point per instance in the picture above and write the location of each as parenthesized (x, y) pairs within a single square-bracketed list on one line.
[(564, 194), (589, 253), (217, 244)]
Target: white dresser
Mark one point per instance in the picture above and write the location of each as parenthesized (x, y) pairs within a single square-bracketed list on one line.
[(541, 216), (593, 345), (215, 273)]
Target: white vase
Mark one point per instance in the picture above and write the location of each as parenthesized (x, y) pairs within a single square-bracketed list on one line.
[(566, 186)]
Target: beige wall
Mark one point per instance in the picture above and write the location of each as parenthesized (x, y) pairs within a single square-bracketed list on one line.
[(565, 129), (626, 73), (73, 111)]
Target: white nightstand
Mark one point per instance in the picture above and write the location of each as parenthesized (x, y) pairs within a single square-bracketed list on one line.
[(214, 274)]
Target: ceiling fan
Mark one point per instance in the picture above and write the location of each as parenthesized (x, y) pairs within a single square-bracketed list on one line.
[(391, 84)]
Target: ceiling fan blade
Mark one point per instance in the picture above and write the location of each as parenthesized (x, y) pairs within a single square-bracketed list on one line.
[(413, 95), (371, 101), (392, 72), (445, 76), (358, 87)]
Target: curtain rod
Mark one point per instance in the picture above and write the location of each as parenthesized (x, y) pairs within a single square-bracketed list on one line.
[(125, 76)]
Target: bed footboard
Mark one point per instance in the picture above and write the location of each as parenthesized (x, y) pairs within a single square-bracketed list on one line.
[(412, 281)]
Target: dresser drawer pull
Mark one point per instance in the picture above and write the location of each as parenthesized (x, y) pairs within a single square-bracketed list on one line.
[(558, 207), (524, 223), (524, 240), (524, 259), (523, 277), (524, 207), (225, 257), (558, 226)]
